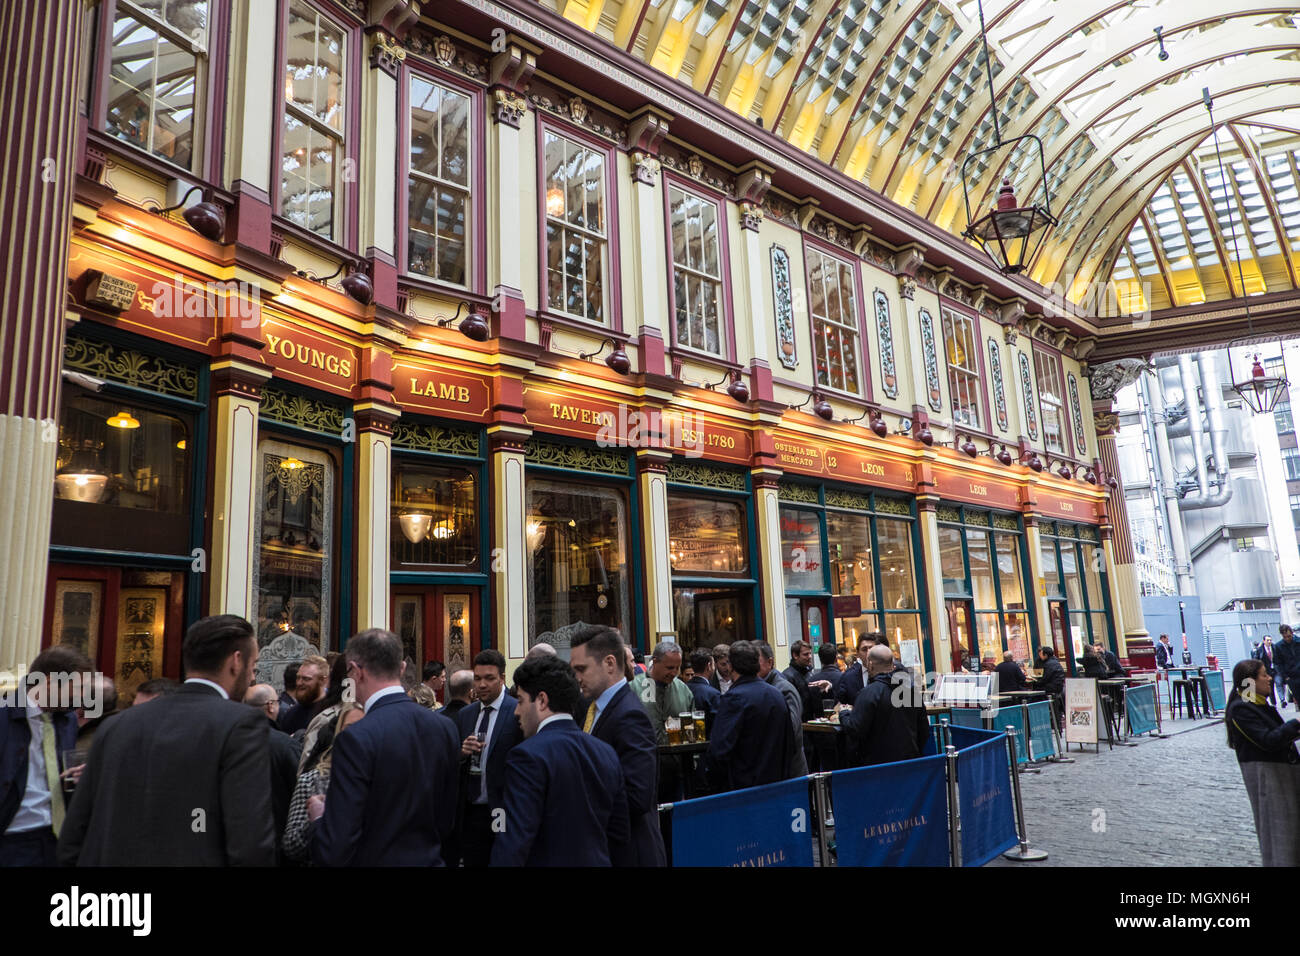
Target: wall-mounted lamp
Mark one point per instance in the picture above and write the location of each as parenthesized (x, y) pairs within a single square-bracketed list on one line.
[(356, 284), (820, 407), (1003, 455), (473, 326), (738, 390), (1031, 461), (206, 218), (968, 448), (616, 359)]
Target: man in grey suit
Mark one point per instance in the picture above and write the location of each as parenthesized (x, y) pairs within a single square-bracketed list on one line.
[(185, 781)]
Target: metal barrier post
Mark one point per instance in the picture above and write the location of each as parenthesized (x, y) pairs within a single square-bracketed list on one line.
[(1061, 755), (954, 838), (1159, 730), (1029, 742), (668, 844), (945, 739), (819, 808), (1024, 852)]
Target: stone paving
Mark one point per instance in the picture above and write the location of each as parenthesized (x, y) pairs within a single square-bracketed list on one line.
[(1178, 801)]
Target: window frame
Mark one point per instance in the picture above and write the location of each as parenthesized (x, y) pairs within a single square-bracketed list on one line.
[(1053, 357), (476, 213), (726, 313), (613, 299), (984, 428), (814, 244), (211, 85), (346, 219)]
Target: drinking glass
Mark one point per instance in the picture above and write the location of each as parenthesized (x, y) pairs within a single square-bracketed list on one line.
[(828, 708), (697, 718), (68, 760), (687, 722), (674, 727), (475, 760)]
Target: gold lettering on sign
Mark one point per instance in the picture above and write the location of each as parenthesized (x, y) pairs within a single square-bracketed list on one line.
[(870, 468), (1067, 506), (443, 391), (585, 416), (832, 461), (982, 490), (292, 351)]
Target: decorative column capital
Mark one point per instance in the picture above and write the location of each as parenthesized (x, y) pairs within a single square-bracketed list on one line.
[(508, 107), (751, 216), (241, 379), (907, 287), (508, 440), (1106, 422), (645, 168), (386, 53), (395, 17), (1107, 378), (375, 417)]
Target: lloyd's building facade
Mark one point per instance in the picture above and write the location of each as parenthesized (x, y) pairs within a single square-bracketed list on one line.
[(478, 328)]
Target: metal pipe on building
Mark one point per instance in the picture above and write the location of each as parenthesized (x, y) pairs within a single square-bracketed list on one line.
[(1188, 379), (1168, 489), (1212, 389)]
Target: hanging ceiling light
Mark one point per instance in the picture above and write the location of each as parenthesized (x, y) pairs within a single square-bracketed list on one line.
[(124, 419), (1260, 390), (81, 479), (1007, 232), (415, 525), (293, 464), (555, 202)]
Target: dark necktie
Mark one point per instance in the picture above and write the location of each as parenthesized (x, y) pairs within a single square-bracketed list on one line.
[(483, 721)]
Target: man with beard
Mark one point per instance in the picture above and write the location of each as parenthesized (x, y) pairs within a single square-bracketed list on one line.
[(185, 781), (31, 735), (313, 674)]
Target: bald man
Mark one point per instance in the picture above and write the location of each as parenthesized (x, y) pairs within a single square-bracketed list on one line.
[(1010, 676), (284, 751), (460, 688), (888, 722)]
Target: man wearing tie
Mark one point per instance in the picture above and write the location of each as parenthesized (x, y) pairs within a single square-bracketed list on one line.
[(564, 798), (1164, 653), (752, 736), (489, 730), (617, 717), (31, 736)]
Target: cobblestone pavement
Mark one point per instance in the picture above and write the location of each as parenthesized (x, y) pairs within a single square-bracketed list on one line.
[(1178, 801)]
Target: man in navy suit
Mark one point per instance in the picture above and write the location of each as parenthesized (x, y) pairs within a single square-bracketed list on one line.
[(392, 791), (705, 694), (826, 656), (32, 732), (564, 797), (616, 716), (752, 735), (488, 730), (855, 678)]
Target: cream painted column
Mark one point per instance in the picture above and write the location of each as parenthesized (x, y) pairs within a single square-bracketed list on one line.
[(652, 482), (251, 111), (509, 558), (374, 423), (650, 296), (906, 262), (771, 580), (1121, 571), (1119, 612), (1034, 579), (928, 526), (236, 390), (378, 173)]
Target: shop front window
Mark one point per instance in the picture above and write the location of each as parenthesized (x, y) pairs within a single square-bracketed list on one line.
[(981, 569), (801, 549), (706, 536), (434, 518), (293, 576), (852, 562), (897, 576), (577, 560), (116, 460), (951, 564), (705, 617)]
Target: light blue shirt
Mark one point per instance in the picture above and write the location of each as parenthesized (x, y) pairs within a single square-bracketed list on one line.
[(603, 700), (34, 810), (380, 694)]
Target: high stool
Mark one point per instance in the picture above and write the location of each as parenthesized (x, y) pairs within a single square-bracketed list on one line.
[(1181, 689)]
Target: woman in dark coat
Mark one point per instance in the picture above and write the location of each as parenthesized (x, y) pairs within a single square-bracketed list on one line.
[(1270, 766)]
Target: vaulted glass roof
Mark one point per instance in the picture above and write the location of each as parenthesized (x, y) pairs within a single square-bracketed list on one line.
[(895, 93)]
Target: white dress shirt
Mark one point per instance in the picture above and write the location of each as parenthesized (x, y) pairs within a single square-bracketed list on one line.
[(381, 693), (34, 810), (217, 687), (495, 712), (552, 719)]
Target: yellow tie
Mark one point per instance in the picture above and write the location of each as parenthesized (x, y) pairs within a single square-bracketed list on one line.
[(591, 718), (52, 772)]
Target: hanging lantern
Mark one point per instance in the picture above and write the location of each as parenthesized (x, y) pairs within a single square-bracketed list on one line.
[(124, 419), (414, 525), (81, 479), (1260, 391)]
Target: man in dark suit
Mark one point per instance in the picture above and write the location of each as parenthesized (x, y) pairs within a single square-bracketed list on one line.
[(564, 797), (285, 753), (722, 676), (392, 791), (752, 734), (855, 678), (459, 687), (186, 779), (1265, 653), (826, 656), (702, 690), (616, 716), (1010, 675), (40, 722), (488, 729), (1164, 653), (888, 722)]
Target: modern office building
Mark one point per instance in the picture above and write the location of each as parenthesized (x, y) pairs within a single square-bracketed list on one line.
[(485, 320)]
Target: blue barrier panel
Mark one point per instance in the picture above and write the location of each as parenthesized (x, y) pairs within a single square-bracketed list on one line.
[(966, 717), (930, 746), (1214, 684), (892, 815), (761, 826), (988, 820), (1140, 705), (1013, 717), (1041, 737), (963, 737)]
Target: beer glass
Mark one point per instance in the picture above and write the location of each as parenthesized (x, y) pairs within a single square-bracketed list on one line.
[(688, 726), (70, 759), (674, 727), (697, 718), (476, 758)]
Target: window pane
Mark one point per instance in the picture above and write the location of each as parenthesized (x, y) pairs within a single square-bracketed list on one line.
[(852, 563), (897, 577), (709, 219), (801, 549), (1009, 577), (1016, 632), (981, 571), (575, 194), (577, 559), (904, 634), (434, 517), (704, 617), (109, 471), (1070, 570), (1050, 568), (1093, 557), (314, 66), (706, 535), (988, 631), (292, 579), (151, 89), (951, 564)]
